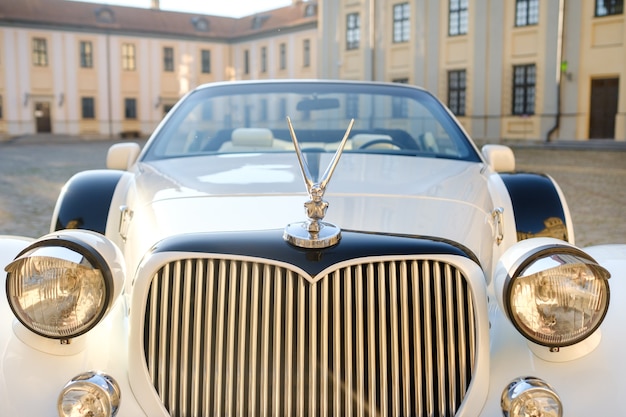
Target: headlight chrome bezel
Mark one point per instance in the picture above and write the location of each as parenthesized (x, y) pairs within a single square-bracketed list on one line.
[(525, 256), (80, 243)]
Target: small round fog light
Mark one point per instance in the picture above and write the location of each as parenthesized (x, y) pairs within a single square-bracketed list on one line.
[(92, 394), (530, 396)]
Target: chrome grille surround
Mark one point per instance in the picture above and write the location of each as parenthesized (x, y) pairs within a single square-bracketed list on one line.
[(221, 336)]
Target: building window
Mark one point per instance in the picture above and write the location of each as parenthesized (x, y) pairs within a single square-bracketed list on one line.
[(88, 108), (246, 61), (130, 108), (524, 77), (40, 52), (401, 28), (456, 92), (86, 54), (399, 105), (128, 57), (609, 7), (353, 31), (457, 20), (207, 110), (264, 59), (526, 12), (306, 52), (263, 110), (352, 106), (309, 10), (205, 61), (168, 59), (283, 56)]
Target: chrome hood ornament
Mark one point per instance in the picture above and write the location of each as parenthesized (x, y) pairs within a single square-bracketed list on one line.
[(314, 233)]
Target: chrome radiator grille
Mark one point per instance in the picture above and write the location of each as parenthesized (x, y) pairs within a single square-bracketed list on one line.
[(227, 338)]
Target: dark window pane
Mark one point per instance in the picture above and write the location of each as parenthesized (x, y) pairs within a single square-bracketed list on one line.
[(524, 78)]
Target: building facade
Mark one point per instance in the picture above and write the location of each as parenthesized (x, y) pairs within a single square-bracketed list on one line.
[(512, 69)]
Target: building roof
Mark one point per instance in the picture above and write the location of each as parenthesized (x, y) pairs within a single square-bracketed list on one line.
[(82, 16)]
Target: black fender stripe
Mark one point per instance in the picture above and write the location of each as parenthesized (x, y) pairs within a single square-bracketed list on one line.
[(86, 199), (537, 206)]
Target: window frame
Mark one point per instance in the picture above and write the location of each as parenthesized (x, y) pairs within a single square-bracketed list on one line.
[(263, 59), (614, 7), (399, 107), (353, 31), (168, 59), (306, 53), (531, 13), (352, 106), (40, 52), (524, 90), (130, 108), (86, 54), (282, 64), (458, 17), (129, 62), (246, 62), (88, 108), (205, 61), (401, 22), (457, 91)]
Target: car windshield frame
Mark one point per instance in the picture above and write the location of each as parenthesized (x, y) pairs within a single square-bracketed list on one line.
[(390, 118)]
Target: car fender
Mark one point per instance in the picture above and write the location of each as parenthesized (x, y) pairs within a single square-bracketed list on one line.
[(588, 385), (85, 200), (539, 206), (38, 369)]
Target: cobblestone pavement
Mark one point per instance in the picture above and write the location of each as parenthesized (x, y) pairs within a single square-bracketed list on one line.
[(32, 173)]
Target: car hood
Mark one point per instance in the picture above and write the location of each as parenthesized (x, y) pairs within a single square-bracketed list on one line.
[(380, 193)]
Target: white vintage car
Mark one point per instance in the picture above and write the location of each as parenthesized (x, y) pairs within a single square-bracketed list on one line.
[(308, 248)]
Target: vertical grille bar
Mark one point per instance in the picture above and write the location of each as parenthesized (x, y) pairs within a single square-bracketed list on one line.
[(289, 345), (324, 335), (276, 382), (389, 338), (382, 340), (254, 326), (406, 352), (208, 334), (265, 342), (219, 338), (336, 367), (395, 337), (230, 340), (241, 336), (360, 344), (418, 352), (300, 348), (347, 358), (197, 374), (371, 331)]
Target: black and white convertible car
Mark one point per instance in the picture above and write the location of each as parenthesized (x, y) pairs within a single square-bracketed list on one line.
[(311, 248)]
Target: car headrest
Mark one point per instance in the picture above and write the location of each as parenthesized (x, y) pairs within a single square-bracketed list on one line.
[(252, 137)]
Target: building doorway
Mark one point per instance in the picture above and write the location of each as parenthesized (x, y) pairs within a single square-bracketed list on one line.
[(603, 108), (43, 122)]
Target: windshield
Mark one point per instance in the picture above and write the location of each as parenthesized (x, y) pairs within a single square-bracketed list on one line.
[(252, 117)]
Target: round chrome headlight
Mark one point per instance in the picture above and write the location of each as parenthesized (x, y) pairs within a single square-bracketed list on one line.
[(530, 396), (60, 286), (92, 394), (556, 295)]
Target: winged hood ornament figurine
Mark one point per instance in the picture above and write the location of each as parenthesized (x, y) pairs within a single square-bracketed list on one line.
[(314, 233)]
